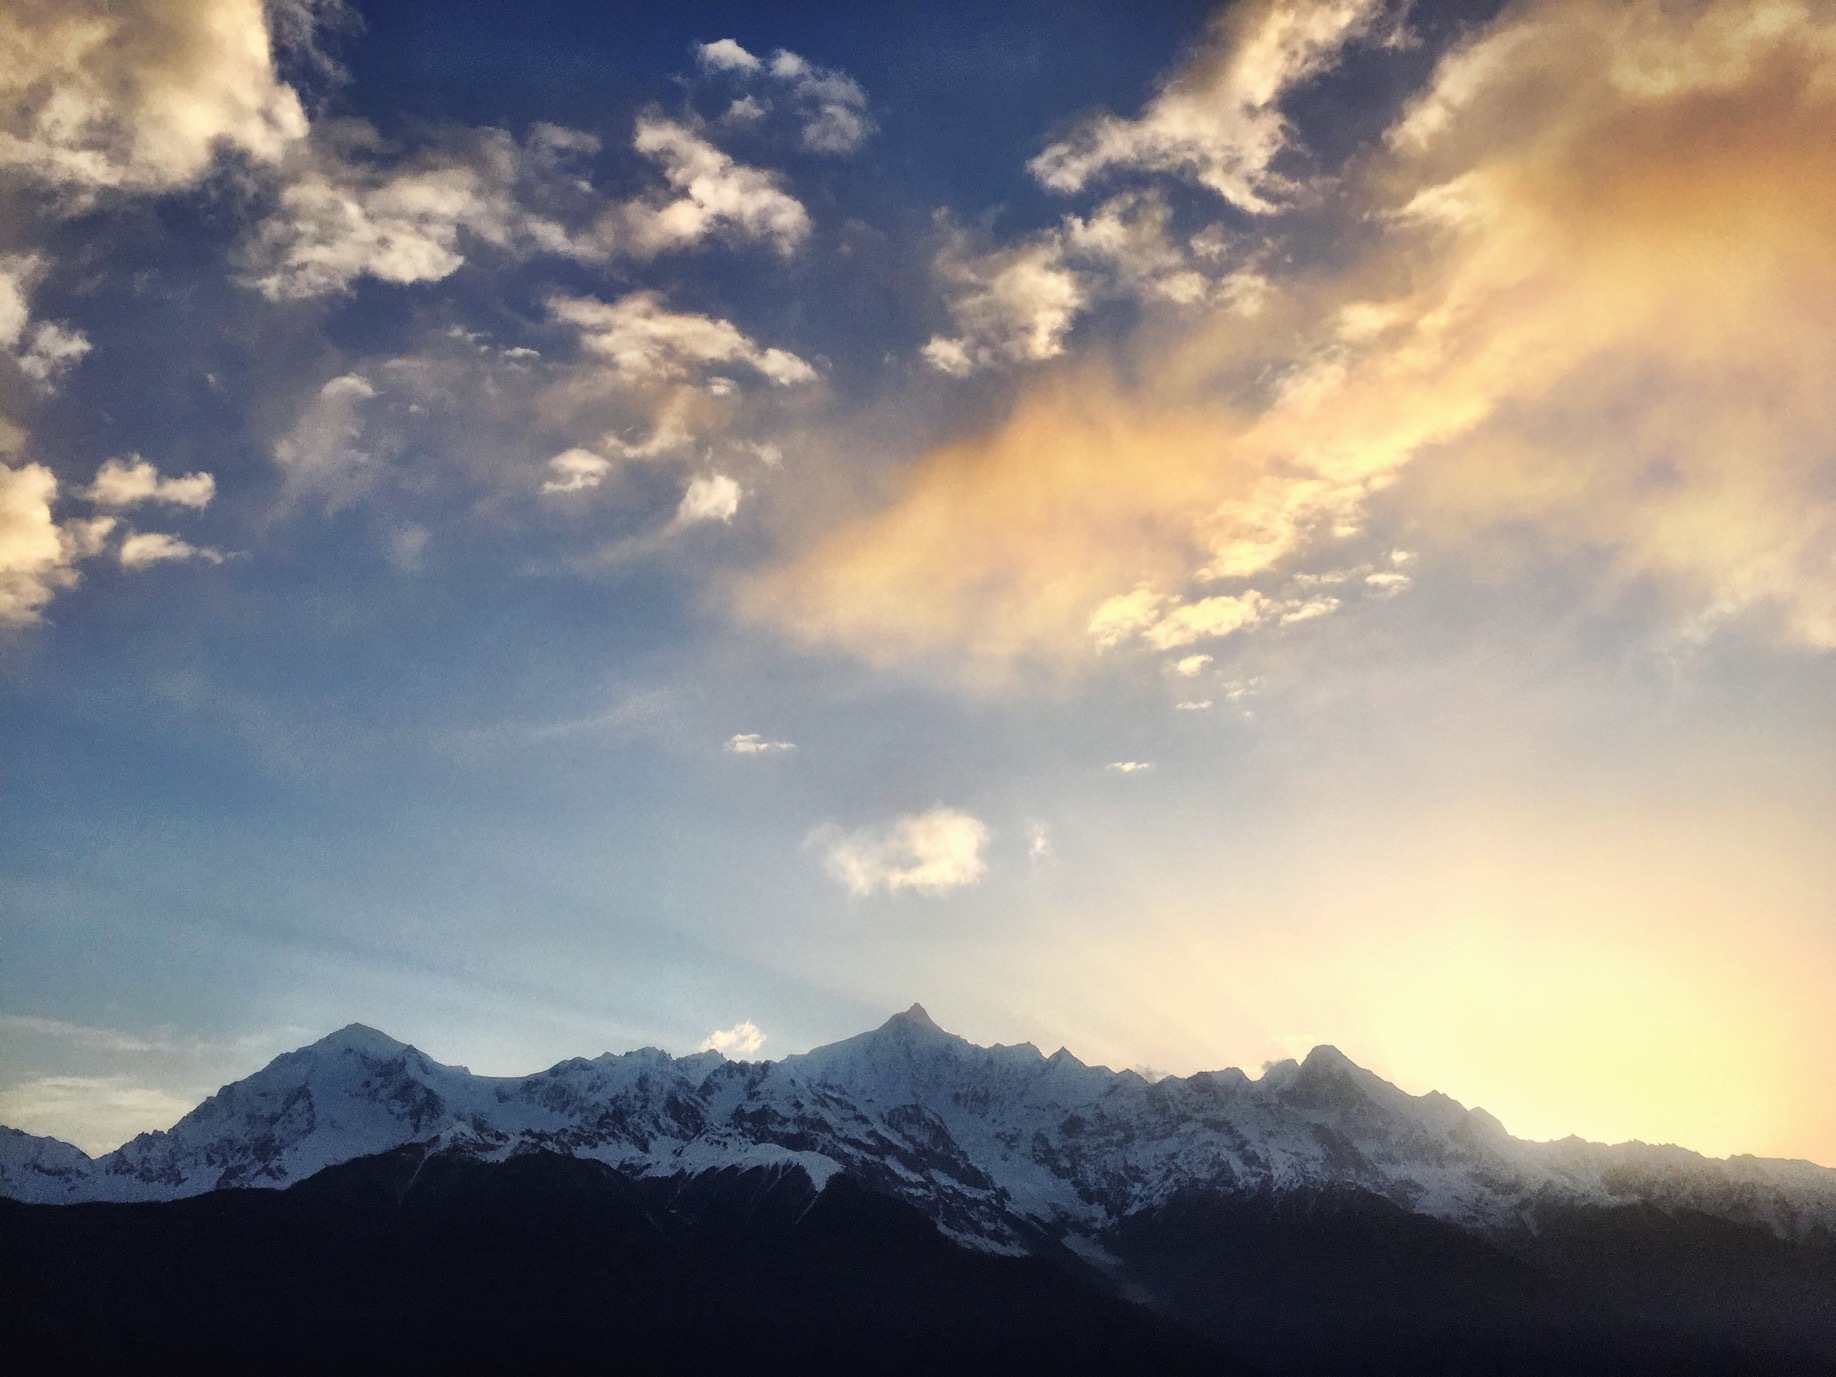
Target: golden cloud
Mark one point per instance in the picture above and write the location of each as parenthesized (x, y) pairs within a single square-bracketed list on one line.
[(1595, 304)]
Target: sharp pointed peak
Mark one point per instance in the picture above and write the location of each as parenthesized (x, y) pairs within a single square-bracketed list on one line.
[(360, 1037), (914, 1017)]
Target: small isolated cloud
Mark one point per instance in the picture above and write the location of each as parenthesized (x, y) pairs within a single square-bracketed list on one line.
[(156, 547), (1130, 767), (319, 454), (751, 743), (711, 497), (726, 55), (931, 852), (742, 1040), (645, 341), (1190, 665), (1038, 841), (1193, 705), (711, 197), (129, 482), (829, 105), (576, 470)]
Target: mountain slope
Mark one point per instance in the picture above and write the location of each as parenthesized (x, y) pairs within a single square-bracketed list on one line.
[(998, 1145)]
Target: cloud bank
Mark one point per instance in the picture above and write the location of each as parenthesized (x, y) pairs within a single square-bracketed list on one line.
[(1589, 303)]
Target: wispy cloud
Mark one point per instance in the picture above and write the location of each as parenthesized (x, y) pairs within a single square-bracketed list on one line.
[(751, 743)]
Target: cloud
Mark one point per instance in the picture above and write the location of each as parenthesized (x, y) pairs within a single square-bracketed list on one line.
[(645, 341), (931, 852), (319, 455), (138, 95), (42, 350), (742, 1039), (1130, 767), (97, 1113), (576, 470), (1193, 705), (1584, 302), (710, 497), (1190, 665), (713, 197), (1018, 303), (355, 206), (1038, 842), (725, 55), (829, 105), (358, 209), (1219, 121), (751, 743), (1012, 305), (128, 482), (155, 547), (39, 555)]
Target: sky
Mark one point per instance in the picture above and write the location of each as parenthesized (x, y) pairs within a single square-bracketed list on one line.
[(1183, 532)]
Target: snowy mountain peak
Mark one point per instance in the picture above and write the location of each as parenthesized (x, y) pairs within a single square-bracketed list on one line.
[(996, 1144), (916, 1019), (362, 1039)]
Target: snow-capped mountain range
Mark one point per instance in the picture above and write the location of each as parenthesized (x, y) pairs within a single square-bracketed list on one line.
[(1001, 1146)]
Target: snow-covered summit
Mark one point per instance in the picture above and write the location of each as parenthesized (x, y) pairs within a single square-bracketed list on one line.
[(999, 1144)]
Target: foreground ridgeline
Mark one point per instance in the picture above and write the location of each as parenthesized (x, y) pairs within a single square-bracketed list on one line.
[(903, 1201)]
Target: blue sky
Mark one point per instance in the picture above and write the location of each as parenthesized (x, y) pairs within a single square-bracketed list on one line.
[(1181, 531)]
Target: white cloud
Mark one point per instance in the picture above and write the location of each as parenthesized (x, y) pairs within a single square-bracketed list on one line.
[(1190, 665), (44, 349), (742, 1039), (138, 95), (1308, 610), (576, 470), (155, 547), (319, 454), (1193, 705), (1167, 624), (97, 1113), (1130, 767), (930, 852), (355, 211), (37, 556), (710, 497), (1219, 121), (127, 482), (726, 55), (1018, 303), (830, 106), (1012, 305), (751, 743), (714, 198), (645, 341), (1206, 619), (1038, 841)]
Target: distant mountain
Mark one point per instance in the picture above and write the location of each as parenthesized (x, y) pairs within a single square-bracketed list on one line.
[(1314, 1215)]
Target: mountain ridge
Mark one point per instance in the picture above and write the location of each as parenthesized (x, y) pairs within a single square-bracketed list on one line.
[(999, 1145)]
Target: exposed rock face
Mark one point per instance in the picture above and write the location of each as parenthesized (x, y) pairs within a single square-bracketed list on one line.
[(1002, 1147)]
